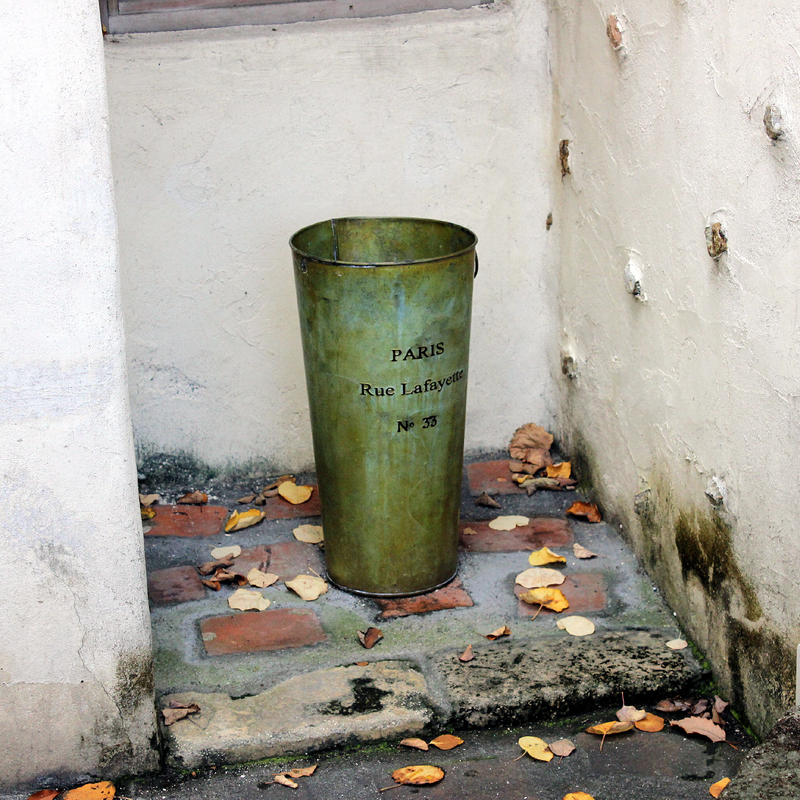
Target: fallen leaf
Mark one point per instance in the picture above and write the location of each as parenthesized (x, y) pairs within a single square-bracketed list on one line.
[(606, 728), (295, 494), (261, 579), (223, 552), (534, 484), (370, 637), (630, 714), (508, 523), (212, 584), (579, 551), (277, 482), (467, 655), (248, 600), (562, 470), (485, 500), (719, 704), (213, 566), (588, 510), (516, 466), (651, 723), (504, 631), (362, 663), (703, 727), (194, 499), (536, 748), (668, 706), (237, 521), (284, 781), (301, 772), (677, 644), (309, 587), (545, 556), (576, 626), (418, 744), (446, 741), (418, 775), (175, 711), (147, 513), (549, 598), (104, 790), (715, 790), (528, 441), (538, 577), (247, 499), (578, 796), (470, 532), (223, 576), (145, 500), (44, 794), (311, 534), (700, 707), (562, 748)]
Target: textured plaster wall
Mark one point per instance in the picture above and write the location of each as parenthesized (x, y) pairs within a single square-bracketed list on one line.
[(226, 142), (701, 381), (76, 695)]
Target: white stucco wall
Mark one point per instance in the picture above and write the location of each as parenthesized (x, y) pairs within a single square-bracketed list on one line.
[(76, 695), (226, 142), (703, 380)]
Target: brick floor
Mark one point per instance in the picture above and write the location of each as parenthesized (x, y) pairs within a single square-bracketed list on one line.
[(586, 592), (492, 477), (290, 559), (257, 631), (250, 557), (454, 595), (539, 532), (175, 585), (278, 508), (185, 520)]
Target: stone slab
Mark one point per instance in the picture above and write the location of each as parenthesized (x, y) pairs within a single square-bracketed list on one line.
[(315, 711), (260, 631), (539, 532), (174, 585), (287, 560), (278, 508), (492, 477), (516, 682), (586, 593), (454, 595), (187, 521)]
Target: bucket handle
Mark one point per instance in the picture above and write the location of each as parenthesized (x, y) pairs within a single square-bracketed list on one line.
[(476, 267)]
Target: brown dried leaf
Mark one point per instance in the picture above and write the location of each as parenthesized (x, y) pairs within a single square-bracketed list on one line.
[(247, 499), (534, 484), (104, 790), (545, 556), (309, 587), (239, 520), (362, 663), (44, 794), (668, 706), (213, 566), (175, 711), (562, 748), (527, 439), (301, 772), (233, 551), (579, 551), (538, 577), (703, 727), (145, 500), (370, 637), (277, 482), (715, 790), (576, 626), (261, 579), (700, 707), (521, 466), (446, 741), (147, 513), (630, 714), (607, 728), (194, 499), (212, 584), (284, 781), (651, 723), (719, 704), (677, 644), (418, 744), (549, 598), (470, 532), (418, 775), (536, 748), (485, 500), (294, 494), (588, 510), (500, 632), (562, 470), (467, 655)]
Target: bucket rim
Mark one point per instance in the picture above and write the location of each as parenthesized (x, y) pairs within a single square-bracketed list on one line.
[(334, 262)]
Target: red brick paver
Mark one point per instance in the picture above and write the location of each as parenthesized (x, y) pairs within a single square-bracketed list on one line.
[(250, 557), (454, 595), (174, 585), (492, 477), (290, 559), (539, 532), (185, 520), (585, 591), (256, 631), (278, 508)]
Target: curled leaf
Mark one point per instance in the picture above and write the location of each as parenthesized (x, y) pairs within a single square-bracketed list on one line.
[(446, 741), (631, 714), (418, 775), (536, 748), (370, 637), (248, 600), (213, 566), (237, 521), (508, 523), (538, 577), (311, 534), (467, 655), (309, 587), (545, 556), (194, 499), (562, 470), (606, 728), (295, 494), (579, 551), (677, 644), (703, 727), (651, 723), (715, 790), (283, 780), (668, 706), (562, 748), (485, 500), (44, 794), (588, 510), (418, 744), (175, 711), (552, 599), (578, 796), (470, 532), (503, 631), (234, 551), (145, 500), (301, 772), (576, 626), (528, 441), (147, 513), (261, 579)]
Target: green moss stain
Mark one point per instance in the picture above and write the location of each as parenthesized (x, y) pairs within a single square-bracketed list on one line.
[(135, 681)]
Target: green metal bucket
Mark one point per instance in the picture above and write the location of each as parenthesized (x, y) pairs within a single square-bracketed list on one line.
[(385, 307)]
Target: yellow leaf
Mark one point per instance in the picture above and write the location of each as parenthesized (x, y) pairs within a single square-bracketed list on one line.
[(677, 644), (261, 579), (576, 626), (194, 499), (549, 598), (716, 788), (311, 534), (562, 470), (148, 499), (578, 796), (508, 523), (419, 744), (606, 728), (446, 741), (470, 532), (104, 790), (538, 577), (245, 519), (295, 494), (301, 772), (284, 781), (536, 748), (417, 775), (248, 600), (652, 723), (545, 556), (588, 510), (309, 587), (223, 552), (147, 513)]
